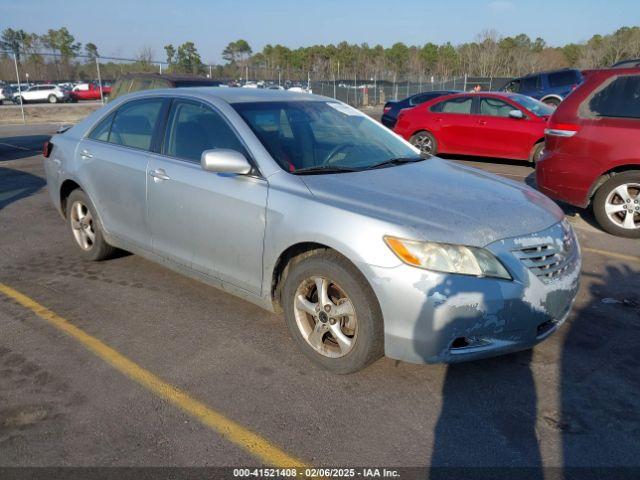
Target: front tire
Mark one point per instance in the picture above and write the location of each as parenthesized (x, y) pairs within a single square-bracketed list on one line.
[(425, 142), (536, 152), (85, 228), (53, 99), (332, 312), (616, 205)]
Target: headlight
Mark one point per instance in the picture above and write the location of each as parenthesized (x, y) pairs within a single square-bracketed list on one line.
[(444, 257)]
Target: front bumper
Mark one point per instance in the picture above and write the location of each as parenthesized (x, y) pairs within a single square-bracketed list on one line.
[(432, 317)]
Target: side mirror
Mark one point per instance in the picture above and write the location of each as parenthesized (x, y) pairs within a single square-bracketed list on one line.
[(517, 114), (224, 161)]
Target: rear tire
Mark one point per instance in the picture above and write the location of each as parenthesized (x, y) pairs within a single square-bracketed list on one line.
[(53, 99), (341, 331), (536, 152), (85, 228), (613, 212), (425, 142)]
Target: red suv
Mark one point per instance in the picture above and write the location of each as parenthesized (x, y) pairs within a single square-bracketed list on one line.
[(592, 152)]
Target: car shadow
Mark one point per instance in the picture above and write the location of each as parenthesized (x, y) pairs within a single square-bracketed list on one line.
[(16, 185), (494, 161), (16, 148)]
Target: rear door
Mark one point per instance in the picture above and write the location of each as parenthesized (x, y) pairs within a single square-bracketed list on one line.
[(454, 125), (211, 222), (114, 160), (499, 135)]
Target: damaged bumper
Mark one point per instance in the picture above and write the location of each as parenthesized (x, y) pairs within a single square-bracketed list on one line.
[(433, 317)]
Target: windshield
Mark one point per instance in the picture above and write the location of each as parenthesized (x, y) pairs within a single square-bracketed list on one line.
[(329, 136), (533, 105)]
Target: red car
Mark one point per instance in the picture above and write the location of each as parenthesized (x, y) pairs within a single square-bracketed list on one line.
[(502, 125), (592, 153), (91, 93)]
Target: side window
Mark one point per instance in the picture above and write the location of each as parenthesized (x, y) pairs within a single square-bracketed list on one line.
[(563, 79), (513, 86), (529, 84), (621, 98), (193, 128), (455, 105), (495, 107), (134, 123), (101, 131), (140, 84), (120, 88)]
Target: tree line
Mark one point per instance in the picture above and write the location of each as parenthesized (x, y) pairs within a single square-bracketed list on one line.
[(56, 55)]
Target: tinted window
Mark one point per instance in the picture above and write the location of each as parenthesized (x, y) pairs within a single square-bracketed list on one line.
[(193, 128), (621, 98), (101, 131), (495, 107), (529, 83), (418, 99), (562, 79), (140, 84), (134, 123), (121, 87), (455, 105)]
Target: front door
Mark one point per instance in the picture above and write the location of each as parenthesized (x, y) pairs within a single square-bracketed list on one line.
[(213, 222)]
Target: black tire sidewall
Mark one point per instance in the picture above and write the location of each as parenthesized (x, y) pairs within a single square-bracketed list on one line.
[(101, 249), (599, 204), (369, 339)]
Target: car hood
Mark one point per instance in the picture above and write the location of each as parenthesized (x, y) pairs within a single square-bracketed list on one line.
[(441, 201)]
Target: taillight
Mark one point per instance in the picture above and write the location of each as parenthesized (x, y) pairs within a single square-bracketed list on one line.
[(562, 130), (386, 109), (46, 149)]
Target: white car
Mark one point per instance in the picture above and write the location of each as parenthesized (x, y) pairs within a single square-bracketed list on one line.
[(5, 93), (41, 93)]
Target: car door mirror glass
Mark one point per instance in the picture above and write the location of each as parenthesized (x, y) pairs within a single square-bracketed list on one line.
[(517, 114), (222, 160)]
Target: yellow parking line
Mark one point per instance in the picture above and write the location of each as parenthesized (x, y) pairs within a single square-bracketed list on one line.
[(258, 446), (606, 253)]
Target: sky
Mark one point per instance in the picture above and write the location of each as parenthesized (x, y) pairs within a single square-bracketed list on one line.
[(122, 28)]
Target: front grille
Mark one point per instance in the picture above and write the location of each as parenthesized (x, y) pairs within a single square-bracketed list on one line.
[(548, 260)]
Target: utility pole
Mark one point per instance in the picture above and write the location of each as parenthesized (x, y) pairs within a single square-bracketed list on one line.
[(99, 81), (15, 61)]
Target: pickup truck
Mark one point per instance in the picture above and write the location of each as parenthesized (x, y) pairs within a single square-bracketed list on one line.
[(88, 91)]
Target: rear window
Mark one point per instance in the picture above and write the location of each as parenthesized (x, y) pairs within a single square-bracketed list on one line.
[(563, 79), (620, 98)]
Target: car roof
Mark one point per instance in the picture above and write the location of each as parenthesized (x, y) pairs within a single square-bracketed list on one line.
[(547, 72), (234, 95)]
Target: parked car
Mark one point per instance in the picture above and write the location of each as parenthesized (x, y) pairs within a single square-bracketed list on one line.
[(41, 93), (89, 91), (6, 94), (499, 125), (593, 150), (548, 87), (635, 63), (392, 108), (135, 82), (308, 206)]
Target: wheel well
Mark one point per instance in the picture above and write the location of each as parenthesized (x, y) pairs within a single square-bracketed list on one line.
[(547, 97), (608, 174), (66, 188), (283, 261)]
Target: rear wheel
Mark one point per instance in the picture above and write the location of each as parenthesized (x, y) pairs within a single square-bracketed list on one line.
[(425, 142), (53, 99), (85, 228), (536, 152), (332, 312), (616, 205)]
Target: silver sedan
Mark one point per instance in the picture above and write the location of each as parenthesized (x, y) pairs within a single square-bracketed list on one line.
[(303, 205)]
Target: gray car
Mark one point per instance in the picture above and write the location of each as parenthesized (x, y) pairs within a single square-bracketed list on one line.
[(304, 205)]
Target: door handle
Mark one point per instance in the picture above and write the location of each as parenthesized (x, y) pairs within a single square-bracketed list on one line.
[(482, 122), (159, 174), (85, 154)]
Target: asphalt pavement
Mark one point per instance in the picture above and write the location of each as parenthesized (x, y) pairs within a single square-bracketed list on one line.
[(574, 401)]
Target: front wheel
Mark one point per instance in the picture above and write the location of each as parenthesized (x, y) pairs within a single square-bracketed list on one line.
[(53, 99), (536, 152), (425, 142), (616, 205), (85, 228), (332, 312)]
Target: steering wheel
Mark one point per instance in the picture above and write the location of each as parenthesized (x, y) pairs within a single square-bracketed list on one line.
[(335, 150)]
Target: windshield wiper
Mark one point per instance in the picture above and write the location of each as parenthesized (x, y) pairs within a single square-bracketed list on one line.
[(397, 161), (325, 169)]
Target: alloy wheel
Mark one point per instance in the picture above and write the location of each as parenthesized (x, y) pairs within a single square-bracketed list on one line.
[(622, 206), (424, 143), (82, 225), (325, 316)]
